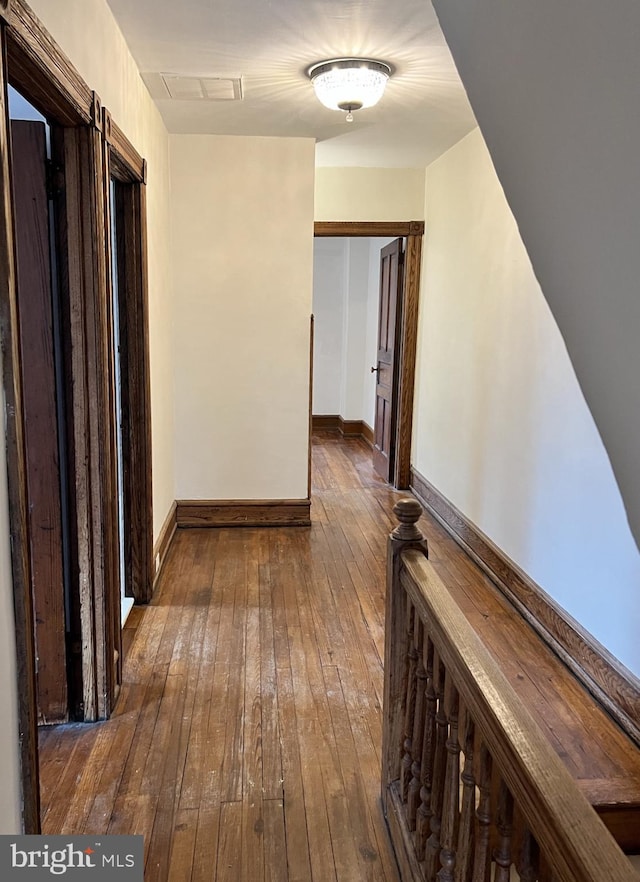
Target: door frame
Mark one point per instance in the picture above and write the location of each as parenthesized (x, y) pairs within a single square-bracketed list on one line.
[(84, 136), (406, 345)]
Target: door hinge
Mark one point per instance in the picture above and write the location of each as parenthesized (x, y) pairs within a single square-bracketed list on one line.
[(54, 179)]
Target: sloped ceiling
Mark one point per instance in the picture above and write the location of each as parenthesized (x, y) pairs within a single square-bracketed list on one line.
[(271, 43)]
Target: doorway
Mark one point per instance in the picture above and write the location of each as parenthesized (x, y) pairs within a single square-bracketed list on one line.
[(78, 150), (43, 386), (404, 343)]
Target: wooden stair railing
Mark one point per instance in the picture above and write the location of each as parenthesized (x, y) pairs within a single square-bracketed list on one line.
[(472, 790)]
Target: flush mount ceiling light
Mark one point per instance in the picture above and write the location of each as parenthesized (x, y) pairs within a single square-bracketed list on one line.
[(349, 83)]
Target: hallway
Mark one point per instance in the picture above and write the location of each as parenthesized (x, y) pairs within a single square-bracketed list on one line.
[(246, 741)]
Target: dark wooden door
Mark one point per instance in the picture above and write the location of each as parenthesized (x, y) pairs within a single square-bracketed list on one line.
[(40, 415), (389, 319)]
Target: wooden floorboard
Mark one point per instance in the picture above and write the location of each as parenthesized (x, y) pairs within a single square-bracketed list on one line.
[(246, 742)]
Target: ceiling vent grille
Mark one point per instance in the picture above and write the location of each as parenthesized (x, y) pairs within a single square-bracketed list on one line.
[(175, 87)]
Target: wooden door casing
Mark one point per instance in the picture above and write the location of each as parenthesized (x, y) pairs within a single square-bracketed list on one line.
[(34, 292), (389, 335)]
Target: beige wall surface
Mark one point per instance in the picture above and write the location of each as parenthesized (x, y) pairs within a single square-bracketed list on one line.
[(501, 425), (563, 128), (87, 32), (243, 270), (369, 194)]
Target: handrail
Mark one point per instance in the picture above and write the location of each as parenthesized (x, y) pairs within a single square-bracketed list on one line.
[(455, 702)]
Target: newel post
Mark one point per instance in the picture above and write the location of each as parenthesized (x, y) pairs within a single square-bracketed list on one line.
[(406, 535)]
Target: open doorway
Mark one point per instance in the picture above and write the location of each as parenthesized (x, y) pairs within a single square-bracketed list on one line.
[(59, 374), (366, 285)]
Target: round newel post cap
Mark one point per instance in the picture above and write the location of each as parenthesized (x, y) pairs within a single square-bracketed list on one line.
[(408, 512)]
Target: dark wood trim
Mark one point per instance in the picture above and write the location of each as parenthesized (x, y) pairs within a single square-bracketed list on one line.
[(165, 538), (367, 434), (347, 428), (328, 422), (128, 162), (403, 847), (17, 481), (243, 512), (408, 354), (90, 409), (351, 428), (615, 687), (40, 70), (135, 387), (368, 228), (413, 231)]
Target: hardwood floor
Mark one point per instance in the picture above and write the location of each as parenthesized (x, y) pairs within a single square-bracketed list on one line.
[(246, 740)]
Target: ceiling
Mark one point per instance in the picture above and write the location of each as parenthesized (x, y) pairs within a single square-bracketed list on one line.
[(270, 44)]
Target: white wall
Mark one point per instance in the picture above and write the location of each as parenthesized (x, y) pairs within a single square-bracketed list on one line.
[(329, 299), (355, 326), (243, 271), (554, 87), (501, 426), (369, 194)]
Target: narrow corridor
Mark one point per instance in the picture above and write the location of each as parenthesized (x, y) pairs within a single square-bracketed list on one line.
[(246, 740)]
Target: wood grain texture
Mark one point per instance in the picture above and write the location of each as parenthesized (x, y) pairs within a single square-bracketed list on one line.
[(326, 422), (347, 428), (133, 295), (409, 343), (243, 512), (246, 740), (368, 228), (40, 70), (163, 542), (17, 479), (610, 682), (5, 9), (309, 726), (40, 409), (573, 838), (127, 161), (83, 252)]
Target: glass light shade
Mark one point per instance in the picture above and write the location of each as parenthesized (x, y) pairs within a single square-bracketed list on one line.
[(349, 83)]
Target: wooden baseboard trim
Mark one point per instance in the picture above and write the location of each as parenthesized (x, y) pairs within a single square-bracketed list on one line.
[(613, 685), (328, 422), (367, 434), (347, 428), (243, 512), (163, 543)]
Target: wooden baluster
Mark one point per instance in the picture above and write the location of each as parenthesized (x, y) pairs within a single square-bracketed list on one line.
[(418, 728), (502, 854), (432, 854), (482, 851), (545, 873), (529, 858), (428, 748), (405, 536), (410, 706), (451, 798), (464, 858)]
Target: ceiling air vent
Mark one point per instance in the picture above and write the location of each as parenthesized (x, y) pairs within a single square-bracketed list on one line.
[(175, 87)]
